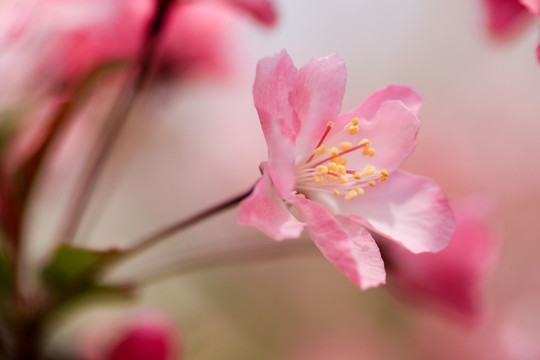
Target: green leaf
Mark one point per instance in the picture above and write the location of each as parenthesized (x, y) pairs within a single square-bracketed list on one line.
[(73, 267)]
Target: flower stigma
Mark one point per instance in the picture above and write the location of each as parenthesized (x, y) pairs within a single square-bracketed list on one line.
[(326, 169)]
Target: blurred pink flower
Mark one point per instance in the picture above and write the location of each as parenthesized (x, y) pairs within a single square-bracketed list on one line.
[(505, 17), (320, 170), (143, 335), (66, 38), (452, 277)]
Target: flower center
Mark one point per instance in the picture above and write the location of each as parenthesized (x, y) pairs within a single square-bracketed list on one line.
[(326, 168)]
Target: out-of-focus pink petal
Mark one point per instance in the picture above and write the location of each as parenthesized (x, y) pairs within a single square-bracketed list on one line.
[(532, 5), (316, 98), (274, 81), (409, 209), (263, 11), (371, 105), (346, 244), (391, 131), (265, 210), (503, 17), (139, 335), (452, 276)]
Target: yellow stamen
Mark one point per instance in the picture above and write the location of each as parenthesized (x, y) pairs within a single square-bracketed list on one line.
[(333, 151), (336, 192), (341, 169), (359, 191), (319, 179), (371, 183), (368, 170), (357, 175), (320, 150), (345, 145), (351, 195), (353, 130), (354, 121), (323, 170), (343, 179)]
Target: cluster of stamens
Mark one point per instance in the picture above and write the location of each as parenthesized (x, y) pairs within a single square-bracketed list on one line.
[(326, 168)]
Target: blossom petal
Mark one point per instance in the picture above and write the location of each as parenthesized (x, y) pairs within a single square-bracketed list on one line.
[(504, 17), (265, 210), (274, 81), (263, 11), (316, 98), (405, 94), (346, 244), (532, 5), (391, 131), (409, 209), (450, 277)]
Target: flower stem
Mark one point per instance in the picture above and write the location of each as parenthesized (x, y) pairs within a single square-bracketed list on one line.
[(113, 126), (161, 234)]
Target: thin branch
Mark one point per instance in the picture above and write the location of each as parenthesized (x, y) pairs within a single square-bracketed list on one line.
[(163, 233), (113, 126)]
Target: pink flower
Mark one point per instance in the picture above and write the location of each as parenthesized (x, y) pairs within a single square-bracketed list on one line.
[(504, 17), (143, 335), (450, 278), (326, 167), (66, 38)]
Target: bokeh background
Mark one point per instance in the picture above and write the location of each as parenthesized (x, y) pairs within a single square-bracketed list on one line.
[(195, 143)]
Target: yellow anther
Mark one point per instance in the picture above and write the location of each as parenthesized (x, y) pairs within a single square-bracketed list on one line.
[(336, 192), (319, 178), (359, 191), (341, 169), (345, 145), (343, 179), (320, 150), (369, 151), (364, 142), (333, 167), (383, 175), (333, 151), (357, 175), (323, 170), (351, 195), (352, 130), (331, 177), (340, 161), (354, 121), (371, 183), (368, 170)]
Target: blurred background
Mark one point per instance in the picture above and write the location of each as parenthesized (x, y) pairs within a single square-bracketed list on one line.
[(192, 144)]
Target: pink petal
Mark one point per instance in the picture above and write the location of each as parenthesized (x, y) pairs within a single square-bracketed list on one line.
[(406, 95), (265, 210), (451, 277), (316, 98), (391, 130), (532, 5), (503, 17), (263, 11), (274, 81), (346, 244), (409, 209)]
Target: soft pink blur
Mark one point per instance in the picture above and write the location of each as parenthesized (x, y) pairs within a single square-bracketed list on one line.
[(139, 335)]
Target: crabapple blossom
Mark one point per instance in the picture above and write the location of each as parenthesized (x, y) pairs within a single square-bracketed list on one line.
[(339, 173)]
